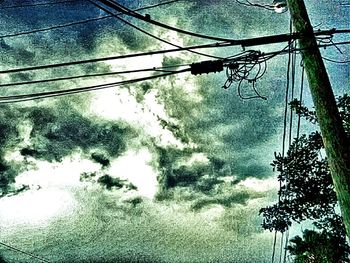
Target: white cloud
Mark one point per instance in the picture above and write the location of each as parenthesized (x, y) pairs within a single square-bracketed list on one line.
[(135, 167)]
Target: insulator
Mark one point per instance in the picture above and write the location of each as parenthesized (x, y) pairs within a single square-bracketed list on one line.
[(210, 66), (233, 66)]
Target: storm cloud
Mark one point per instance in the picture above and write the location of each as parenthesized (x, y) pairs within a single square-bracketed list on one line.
[(168, 170)]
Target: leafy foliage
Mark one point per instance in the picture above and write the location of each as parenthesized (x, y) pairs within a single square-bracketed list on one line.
[(326, 246), (306, 185), (303, 111), (307, 192), (344, 111)]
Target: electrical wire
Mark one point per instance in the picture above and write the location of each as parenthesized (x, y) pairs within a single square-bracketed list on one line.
[(249, 60), (81, 21), (71, 63), (290, 50), (160, 4), (274, 247), (37, 4), (266, 56), (336, 61), (212, 45), (24, 253), (157, 69), (248, 3), (58, 93), (293, 73), (301, 95), (147, 33), (54, 27), (116, 6)]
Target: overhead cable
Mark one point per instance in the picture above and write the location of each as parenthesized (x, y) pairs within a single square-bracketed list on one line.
[(116, 6), (248, 3), (251, 58), (37, 4), (24, 253), (80, 21), (25, 97), (147, 33), (54, 27), (211, 45), (336, 61), (156, 69), (71, 63), (58, 93)]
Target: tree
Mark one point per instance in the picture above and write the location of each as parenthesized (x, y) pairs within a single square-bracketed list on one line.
[(307, 192), (329, 245)]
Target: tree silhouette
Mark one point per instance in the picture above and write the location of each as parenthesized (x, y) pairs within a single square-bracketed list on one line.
[(329, 245), (307, 192)]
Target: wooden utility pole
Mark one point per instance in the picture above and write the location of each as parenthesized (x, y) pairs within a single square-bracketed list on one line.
[(336, 144)]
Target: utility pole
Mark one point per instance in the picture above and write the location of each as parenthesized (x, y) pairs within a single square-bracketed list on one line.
[(336, 144)]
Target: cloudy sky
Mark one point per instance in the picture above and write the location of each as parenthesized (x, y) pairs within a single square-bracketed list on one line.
[(167, 170)]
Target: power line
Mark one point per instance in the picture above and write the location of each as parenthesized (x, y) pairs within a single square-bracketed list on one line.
[(63, 64), (81, 21), (251, 58), (24, 253), (157, 69), (248, 3), (244, 58), (37, 4), (26, 97), (147, 33), (160, 4), (212, 45), (54, 27), (127, 11), (301, 96), (336, 61), (290, 52), (57, 93)]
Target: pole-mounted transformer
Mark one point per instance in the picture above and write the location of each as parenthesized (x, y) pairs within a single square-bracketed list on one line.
[(210, 66)]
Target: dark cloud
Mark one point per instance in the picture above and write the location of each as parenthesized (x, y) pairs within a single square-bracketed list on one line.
[(225, 19), (87, 38), (133, 39), (117, 183), (199, 177), (184, 176), (101, 159), (7, 177), (232, 133), (252, 168), (110, 182), (16, 55), (171, 61), (227, 129), (226, 201), (205, 185), (9, 118), (58, 133), (172, 175)]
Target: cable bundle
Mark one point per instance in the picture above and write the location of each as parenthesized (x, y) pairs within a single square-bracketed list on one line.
[(249, 68)]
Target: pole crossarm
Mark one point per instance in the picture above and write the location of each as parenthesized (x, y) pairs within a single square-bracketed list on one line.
[(258, 41)]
